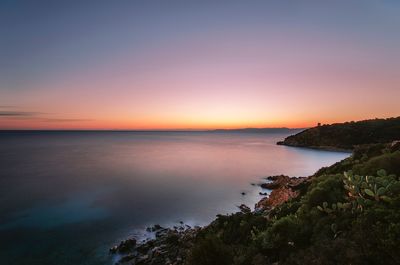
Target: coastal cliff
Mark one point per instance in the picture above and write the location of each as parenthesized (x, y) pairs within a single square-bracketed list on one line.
[(347, 213)]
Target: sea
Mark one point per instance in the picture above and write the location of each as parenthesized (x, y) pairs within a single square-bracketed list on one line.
[(66, 197)]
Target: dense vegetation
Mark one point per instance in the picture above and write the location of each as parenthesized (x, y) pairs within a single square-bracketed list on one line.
[(348, 214), (347, 135)]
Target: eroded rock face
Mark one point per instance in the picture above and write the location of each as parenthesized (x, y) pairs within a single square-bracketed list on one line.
[(277, 182), (277, 197), (283, 188)]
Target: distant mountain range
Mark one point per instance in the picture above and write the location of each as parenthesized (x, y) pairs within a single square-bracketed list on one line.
[(261, 130), (243, 130)]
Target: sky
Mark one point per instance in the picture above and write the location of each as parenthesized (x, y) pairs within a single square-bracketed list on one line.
[(144, 65)]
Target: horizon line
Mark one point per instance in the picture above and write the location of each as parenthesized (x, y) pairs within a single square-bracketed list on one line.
[(151, 130)]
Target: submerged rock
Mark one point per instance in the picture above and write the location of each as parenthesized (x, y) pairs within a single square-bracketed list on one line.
[(244, 208)]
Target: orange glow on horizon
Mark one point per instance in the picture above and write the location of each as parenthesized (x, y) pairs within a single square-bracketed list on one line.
[(156, 125), (279, 70)]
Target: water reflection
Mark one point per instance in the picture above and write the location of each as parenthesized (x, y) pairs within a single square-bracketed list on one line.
[(74, 194)]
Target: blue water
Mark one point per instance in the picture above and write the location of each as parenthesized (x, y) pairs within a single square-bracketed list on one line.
[(66, 197)]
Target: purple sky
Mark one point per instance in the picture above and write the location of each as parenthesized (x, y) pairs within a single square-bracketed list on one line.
[(197, 64)]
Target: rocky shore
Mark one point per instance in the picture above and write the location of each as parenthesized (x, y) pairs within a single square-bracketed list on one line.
[(283, 188), (268, 235), (322, 147), (171, 245)]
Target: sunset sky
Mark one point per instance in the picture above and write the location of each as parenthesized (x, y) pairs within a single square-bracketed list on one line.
[(197, 64)]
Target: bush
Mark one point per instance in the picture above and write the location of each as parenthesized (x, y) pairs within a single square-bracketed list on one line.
[(389, 161), (210, 251), (326, 188)]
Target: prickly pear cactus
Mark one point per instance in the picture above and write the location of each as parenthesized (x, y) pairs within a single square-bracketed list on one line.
[(363, 190)]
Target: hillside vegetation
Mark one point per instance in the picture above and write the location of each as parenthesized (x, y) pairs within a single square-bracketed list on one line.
[(347, 135)]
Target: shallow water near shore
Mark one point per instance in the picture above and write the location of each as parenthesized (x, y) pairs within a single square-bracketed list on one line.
[(66, 197)]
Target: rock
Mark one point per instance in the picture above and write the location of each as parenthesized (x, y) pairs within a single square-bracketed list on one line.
[(277, 197), (144, 248), (157, 227), (244, 208), (277, 182), (154, 228), (126, 258), (169, 247), (283, 188), (283, 181), (113, 249), (395, 146), (298, 183), (124, 246)]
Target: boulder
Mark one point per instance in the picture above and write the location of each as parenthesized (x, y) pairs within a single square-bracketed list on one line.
[(276, 182), (277, 197), (124, 247), (244, 208), (395, 146)]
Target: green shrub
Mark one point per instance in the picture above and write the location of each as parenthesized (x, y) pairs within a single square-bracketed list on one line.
[(389, 161), (326, 188), (210, 250)]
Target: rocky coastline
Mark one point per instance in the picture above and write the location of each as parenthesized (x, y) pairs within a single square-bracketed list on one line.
[(171, 245), (376, 150), (315, 147), (283, 188)]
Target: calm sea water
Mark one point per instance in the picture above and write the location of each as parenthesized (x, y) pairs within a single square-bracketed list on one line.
[(66, 197)]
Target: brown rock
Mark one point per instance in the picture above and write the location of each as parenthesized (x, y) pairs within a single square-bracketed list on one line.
[(394, 146), (284, 188), (277, 197), (297, 183), (277, 182)]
